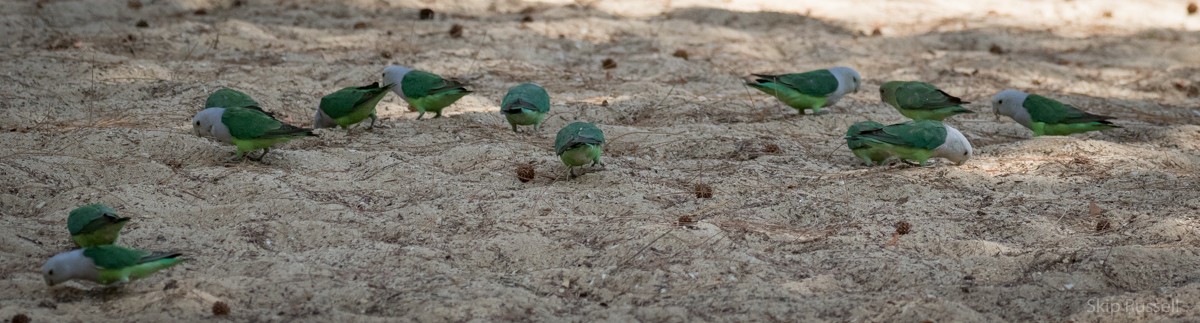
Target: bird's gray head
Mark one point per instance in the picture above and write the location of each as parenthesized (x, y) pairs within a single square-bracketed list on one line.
[(67, 266), (848, 79), (207, 123), (1010, 103), (394, 74), (956, 148)]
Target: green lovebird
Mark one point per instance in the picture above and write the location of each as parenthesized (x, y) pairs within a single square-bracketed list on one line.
[(423, 90), (249, 129), (106, 265), (870, 154), (809, 90), (579, 143), (524, 105), (229, 98), (94, 225), (1046, 116), (918, 141), (921, 101), (349, 106)]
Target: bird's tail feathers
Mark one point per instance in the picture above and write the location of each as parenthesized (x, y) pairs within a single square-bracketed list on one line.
[(517, 106), (159, 255), (290, 130)]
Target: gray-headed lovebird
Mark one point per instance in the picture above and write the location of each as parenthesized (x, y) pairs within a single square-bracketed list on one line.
[(1046, 116), (811, 90), (106, 265), (921, 101), (94, 225), (249, 129), (349, 106), (578, 144), (918, 141), (524, 105), (422, 90)]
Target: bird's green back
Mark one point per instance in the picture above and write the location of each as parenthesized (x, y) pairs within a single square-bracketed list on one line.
[(248, 124), (922, 96), (1046, 110), (83, 219), (814, 83), (229, 98), (418, 84), (577, 133), (924, 134), (347, 100), (529, 93), (114, 257)]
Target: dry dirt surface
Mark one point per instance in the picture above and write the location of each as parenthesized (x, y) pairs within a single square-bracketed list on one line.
[(425, 220)]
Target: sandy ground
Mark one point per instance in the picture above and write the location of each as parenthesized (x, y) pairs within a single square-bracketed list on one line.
[(426, 221)]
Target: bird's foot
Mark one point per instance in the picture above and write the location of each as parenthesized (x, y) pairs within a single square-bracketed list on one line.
[(260, 156)]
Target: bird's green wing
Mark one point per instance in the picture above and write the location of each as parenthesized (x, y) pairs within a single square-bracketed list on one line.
[(246, 124), (345, 101), (154, 256), (577, 133), (114, 257), (819, 83), (1046, 110), (526, 95), (924, 96), (417, 84), (924, 134), (229, 98)]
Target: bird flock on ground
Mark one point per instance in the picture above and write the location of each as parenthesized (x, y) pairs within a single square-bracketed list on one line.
[(233, 117)]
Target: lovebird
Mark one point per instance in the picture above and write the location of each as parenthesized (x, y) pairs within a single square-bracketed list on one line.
[(1046, 116), (94, 225), (106, 264), (811, 90), (579, 143), (870, 154), (349, 106), (524, 105), (918, 141), (249, 129), (423, 90), (921, 101), (229, 98)]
